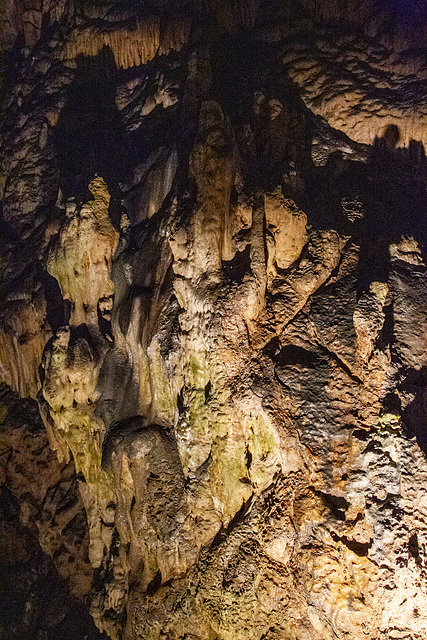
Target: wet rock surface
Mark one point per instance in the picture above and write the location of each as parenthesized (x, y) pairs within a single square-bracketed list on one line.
[(215, 300)]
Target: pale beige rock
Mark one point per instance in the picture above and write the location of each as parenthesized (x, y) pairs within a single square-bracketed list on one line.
[(81, 259), (212, 168), (22, 339), (287, 224), (368, 318)]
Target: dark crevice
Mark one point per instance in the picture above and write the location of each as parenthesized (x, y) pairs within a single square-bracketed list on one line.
[(224, 532), (336, 504), (341, 364), (248, 458), (361, 434), (235, 270), (413, 547), (180, 401), (90, 137), (359, 548), (386, 335), (155, 584), (293, 355), (57, 310)]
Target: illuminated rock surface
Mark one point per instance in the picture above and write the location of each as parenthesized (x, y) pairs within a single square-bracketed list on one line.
[(215, 300)]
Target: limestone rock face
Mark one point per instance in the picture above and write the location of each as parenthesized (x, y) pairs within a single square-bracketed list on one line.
[(46, 574), (215, 300)]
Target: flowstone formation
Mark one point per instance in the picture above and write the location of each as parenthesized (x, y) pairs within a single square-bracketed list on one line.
[(215, 300)]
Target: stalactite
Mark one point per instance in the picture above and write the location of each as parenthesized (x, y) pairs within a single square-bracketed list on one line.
[(131, 47)]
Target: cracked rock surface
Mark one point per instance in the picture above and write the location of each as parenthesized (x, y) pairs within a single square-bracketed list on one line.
[(213, 331)]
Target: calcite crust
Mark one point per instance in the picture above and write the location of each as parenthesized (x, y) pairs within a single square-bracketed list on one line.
[(215, 299)]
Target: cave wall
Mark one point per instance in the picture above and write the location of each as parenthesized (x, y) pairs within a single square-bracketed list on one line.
[(215, 300)]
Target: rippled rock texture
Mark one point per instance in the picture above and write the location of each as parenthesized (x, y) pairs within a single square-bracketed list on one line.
[(215, 300)]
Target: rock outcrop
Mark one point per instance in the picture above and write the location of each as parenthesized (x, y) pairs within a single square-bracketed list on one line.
[(215, 295)]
